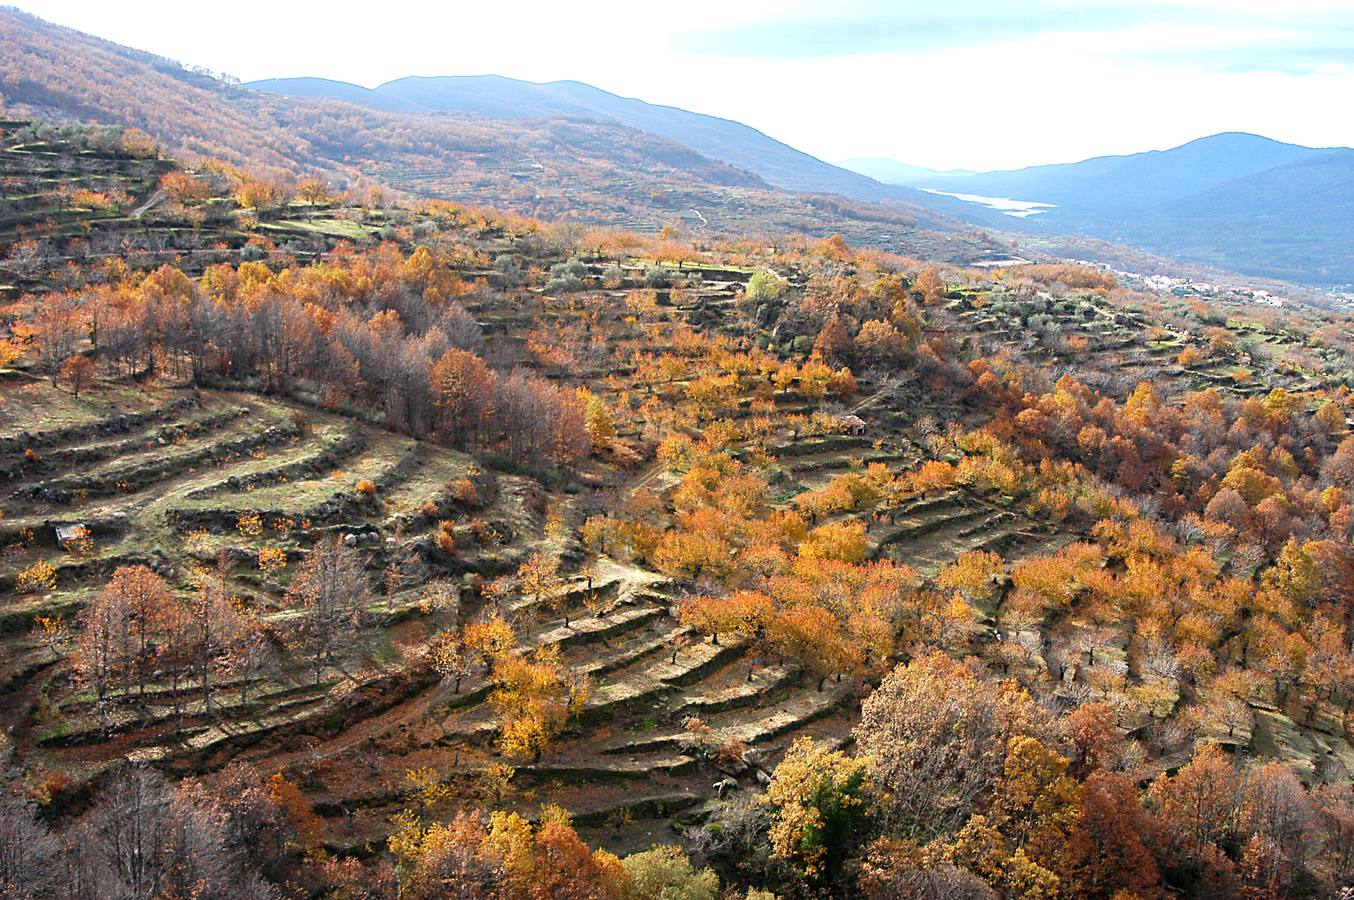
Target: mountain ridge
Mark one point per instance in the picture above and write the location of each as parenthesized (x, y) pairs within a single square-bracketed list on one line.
[(1242, 201), (1135, 179), (568, 150), (726, 140), (559, 169), (891, 171)]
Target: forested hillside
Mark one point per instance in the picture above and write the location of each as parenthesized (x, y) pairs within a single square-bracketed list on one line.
[(362, 548)]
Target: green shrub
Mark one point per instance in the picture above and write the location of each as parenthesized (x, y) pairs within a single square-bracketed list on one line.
[(764, 286), (567, 276)]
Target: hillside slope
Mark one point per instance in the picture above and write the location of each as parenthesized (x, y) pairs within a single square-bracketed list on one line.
[(61, 73), (721, 139), (577, 169), (329, 89)]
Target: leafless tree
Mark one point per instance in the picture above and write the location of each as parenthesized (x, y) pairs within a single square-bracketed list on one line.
[(146, 839), (331, 593), (27, 850)]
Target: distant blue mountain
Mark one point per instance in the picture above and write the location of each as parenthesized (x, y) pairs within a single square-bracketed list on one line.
[(1137, 180), (1240, 201), (890, 171), (330, 90)]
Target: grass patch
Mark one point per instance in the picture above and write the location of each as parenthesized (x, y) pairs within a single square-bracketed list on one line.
[(335, 228)]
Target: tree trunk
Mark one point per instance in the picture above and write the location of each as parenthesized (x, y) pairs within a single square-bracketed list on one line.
[(141, 660), (178, 704), (207, 687), (207, 664)]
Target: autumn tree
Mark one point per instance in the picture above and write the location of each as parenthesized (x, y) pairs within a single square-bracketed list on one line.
[(314, 191), (744, 613), (890, 867), (834, 343), (1334, 827), (491, 638), (58, 331), (764, 285), (220, 638), (120, 631), (1197, 806), (78, 373), (843, 541), (534, 697), (815, 638), (976, 576), (821, 800), (539, 580), (1276, 813), (147, 838), (451, 656), (1107, 850), (102, 650), (446, 859), (665, 871), (598, 421), (185, 187), (463, 391), (1036, 802), (881, 343), (261, 194), (936, 732), (28, 851), (330, 594), (567, 868), (929, 285), (250, 652)]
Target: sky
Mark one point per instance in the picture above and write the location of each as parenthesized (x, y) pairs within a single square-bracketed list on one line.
[(976, 84)]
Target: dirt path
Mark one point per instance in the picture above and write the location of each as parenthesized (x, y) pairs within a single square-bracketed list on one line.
[(644, 479), (883, 389), (151, 202)]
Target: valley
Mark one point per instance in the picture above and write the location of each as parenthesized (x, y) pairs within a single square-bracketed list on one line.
[(506, 490)]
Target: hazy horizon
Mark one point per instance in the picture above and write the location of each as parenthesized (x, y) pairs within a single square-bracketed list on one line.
[(873, 79)]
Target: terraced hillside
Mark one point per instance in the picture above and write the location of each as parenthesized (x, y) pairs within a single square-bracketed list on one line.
[(622, 522), (1242, 350), (178, 483)]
